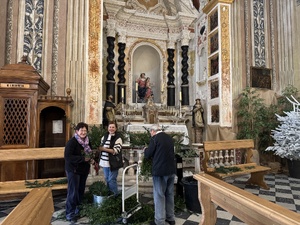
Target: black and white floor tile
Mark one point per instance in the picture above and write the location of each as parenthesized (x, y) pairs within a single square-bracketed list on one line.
[(284, 191)]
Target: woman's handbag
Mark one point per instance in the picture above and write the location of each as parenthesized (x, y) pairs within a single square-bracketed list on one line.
[(115, 161)]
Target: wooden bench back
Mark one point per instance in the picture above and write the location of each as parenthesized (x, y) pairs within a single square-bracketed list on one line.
[(211, 148), (232, 144), (35, 209), (28, 154), (7, 155), (246, 206)]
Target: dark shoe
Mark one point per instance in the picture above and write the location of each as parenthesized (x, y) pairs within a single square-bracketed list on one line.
[(170, 222), (72, 221)]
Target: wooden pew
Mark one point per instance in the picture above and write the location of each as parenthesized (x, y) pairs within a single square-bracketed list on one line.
[(244, 147), (35, 209), (246, 206), (7, 155)]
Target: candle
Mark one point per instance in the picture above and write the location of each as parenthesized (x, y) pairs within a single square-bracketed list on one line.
[(122, 93), (136, 86), (162, 87), (180, 96)]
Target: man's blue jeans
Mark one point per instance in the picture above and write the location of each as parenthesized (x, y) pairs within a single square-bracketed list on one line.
[(76, 188), (163, 193), (111, 179)]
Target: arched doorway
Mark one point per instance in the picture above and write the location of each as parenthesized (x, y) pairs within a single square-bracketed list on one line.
[(52, 133)]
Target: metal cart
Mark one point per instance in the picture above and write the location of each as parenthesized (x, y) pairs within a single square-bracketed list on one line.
[(128, 192)]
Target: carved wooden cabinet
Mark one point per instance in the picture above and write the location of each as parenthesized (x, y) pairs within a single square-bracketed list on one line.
[(26, 118)]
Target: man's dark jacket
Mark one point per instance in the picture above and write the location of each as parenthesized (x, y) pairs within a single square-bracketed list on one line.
[(161, 150)]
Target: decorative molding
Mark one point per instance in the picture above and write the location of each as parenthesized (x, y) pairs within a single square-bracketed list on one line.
[(38, 36), (95, 34), (33, 32), (185, 37), (259, 35), (273, 57), (55, 49), (247, 42), (226, 70), (28, 30), (8, 39), (111, 28)]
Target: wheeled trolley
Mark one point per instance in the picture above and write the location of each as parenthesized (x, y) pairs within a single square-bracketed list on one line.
[(128, 192)]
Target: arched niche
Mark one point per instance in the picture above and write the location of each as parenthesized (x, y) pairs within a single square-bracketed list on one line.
[(147, 58)]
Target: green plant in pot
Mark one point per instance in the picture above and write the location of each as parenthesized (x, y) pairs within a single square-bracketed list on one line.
[(100, 192)]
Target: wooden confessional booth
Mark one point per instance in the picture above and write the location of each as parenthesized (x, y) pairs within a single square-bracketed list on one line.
[(29, 118)]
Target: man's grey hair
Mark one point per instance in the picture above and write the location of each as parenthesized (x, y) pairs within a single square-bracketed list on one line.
[(155, 127)]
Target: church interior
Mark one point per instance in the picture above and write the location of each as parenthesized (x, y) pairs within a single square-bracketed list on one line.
[(182, 64)]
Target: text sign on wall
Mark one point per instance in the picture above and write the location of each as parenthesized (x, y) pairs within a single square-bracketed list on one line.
[(14, 85), (57, 126)]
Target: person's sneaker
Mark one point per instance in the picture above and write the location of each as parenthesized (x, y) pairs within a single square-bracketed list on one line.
[(170, 222)]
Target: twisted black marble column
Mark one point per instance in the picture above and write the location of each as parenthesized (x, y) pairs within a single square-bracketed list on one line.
[(171, 78), (121, 75), (110, 80), (185, 74)]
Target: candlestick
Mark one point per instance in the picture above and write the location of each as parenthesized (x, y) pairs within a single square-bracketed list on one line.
[(180, 96)]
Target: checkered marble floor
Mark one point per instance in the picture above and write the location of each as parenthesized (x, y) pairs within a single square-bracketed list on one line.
[(284, 191)]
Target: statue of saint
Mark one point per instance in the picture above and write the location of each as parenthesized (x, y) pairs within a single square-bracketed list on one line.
[(197, 114), (141, 81), (108, 111)]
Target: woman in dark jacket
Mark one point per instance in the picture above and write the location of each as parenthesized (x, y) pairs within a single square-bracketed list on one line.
[(78, 156)]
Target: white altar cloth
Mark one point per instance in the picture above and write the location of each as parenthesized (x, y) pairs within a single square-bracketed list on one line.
[(172, 128)]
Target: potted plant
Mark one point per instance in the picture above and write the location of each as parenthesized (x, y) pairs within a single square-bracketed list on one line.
[(287, 141), (100, 192)]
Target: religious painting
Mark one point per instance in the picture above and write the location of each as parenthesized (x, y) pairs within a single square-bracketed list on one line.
[(214, 89), (214, 66), (261, 77), (213, 20), (215, 114), (214, 43)]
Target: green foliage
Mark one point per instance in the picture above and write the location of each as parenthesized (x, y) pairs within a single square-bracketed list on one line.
[(47, 183), (139, 139), (256, 120), (283, 103), (144, 215), (110, 211), (187, 152), (227, 170), (249, 114), (95, 134), (146, 169), (99, 188), (179, 204), (107, 213)]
